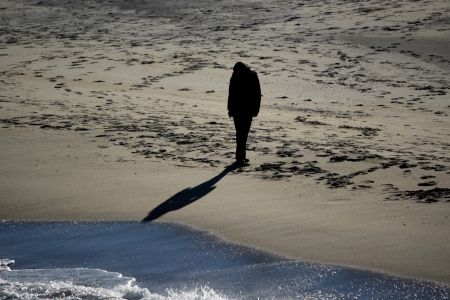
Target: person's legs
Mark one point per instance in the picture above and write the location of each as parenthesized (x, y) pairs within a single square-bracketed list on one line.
[(242, 125)]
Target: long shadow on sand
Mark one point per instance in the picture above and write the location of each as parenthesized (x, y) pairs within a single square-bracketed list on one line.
[(187, 196)]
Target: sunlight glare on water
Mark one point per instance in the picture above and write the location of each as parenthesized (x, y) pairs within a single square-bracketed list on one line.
[(131, 260)]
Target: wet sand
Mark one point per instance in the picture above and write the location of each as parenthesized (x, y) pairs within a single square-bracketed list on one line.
[(109, 111)]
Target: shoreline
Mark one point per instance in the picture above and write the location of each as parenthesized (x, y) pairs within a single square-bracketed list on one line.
[(330, 228), (193, 258), (266, 251)]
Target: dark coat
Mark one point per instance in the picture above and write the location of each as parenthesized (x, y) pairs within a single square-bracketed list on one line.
[(244, 95)]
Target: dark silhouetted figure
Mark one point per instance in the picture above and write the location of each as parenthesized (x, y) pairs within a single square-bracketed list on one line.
[(187, 196), (244, 100)]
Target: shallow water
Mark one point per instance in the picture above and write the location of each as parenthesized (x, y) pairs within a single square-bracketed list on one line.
[(132, 260)]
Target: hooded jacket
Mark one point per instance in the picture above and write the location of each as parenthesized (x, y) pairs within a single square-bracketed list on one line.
[(244, 96)]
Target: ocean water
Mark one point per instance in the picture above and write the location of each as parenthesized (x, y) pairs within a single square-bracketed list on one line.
[(133, 260)]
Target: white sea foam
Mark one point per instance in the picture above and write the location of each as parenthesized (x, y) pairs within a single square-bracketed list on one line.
[(4, 263), (74, 284)]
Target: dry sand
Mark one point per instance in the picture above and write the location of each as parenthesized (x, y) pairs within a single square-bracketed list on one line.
[(111, 109)]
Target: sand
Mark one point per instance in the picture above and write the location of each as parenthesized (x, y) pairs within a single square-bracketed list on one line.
[(117, 111)]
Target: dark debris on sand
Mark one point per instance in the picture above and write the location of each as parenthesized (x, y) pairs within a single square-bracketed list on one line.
[(160, 131), (423, 196)]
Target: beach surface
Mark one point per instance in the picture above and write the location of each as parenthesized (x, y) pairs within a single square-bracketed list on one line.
[(113, 110)]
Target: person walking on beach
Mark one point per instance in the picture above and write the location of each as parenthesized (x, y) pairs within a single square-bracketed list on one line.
[(244, 100)]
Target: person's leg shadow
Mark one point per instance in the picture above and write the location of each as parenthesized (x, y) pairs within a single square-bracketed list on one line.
[(187, 196)]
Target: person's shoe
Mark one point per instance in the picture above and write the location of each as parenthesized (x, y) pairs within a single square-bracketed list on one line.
[(242, 163)]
